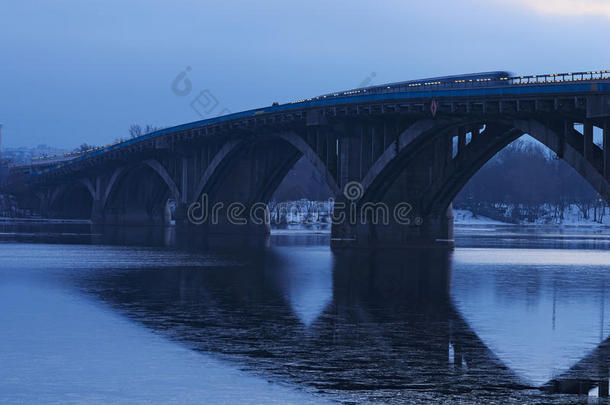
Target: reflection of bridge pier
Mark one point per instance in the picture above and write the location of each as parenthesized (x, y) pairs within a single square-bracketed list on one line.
[(351, 313), (383, 322), (407, 150)]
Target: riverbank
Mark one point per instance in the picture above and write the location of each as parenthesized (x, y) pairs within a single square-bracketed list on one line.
[(572, 217), (44, 220)]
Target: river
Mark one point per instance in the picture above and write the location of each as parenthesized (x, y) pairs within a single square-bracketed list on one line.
[(513, 314)]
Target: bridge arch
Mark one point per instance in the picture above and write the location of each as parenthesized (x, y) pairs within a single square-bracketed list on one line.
[(248, 171), (221, 158), (446, 188), (72, 200), (139, 194), (230, 150), (417, 136), (422, 135), (432, 160)]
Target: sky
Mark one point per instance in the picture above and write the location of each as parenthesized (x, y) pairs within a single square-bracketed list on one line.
[(74, 72)]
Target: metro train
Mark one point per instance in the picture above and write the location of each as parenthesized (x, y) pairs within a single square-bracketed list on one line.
[(457, 81)]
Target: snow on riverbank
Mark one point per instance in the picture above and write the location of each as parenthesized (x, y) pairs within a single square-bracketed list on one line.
[(572, 216), (466, 217)]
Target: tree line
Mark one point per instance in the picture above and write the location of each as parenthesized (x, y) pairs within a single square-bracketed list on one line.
[(135, 131), (526, 182)]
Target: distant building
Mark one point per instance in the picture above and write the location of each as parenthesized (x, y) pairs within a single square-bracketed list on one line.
[(24, 155), (4, 167)]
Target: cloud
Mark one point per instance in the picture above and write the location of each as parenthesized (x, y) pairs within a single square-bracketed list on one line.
[(566, 7)]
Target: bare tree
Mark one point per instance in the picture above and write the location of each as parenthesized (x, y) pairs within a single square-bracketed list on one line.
[(135, 131), (150, 128)]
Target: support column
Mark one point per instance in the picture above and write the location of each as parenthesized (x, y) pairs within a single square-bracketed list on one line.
[(374, 144), (184, 191), (603, 389), (588, 140), (458, 356), (45, 199), (440, 156), (449, 146), (568, 127), (343, 161), (97, 212), (180, 212), (349, 157), (461, 140), (607, 149), (476, 131)]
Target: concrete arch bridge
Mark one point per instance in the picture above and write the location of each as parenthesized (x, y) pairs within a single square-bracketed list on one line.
[(396, 155)]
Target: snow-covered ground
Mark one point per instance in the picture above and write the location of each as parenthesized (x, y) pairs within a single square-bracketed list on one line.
[(303, 212), (572, 216), (466, 217)]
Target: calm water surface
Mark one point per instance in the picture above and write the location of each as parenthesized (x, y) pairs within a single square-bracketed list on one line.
[(140, 316)]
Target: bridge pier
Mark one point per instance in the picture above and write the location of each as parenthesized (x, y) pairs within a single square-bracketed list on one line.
[(439, 228), (220, 233), (43, 203), (180, 213), (97, 212), (402, 231), (387, 208)]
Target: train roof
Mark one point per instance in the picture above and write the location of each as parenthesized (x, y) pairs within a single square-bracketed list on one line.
[(430, 79)]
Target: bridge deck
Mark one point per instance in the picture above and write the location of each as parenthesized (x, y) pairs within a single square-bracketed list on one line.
[(517, 87)]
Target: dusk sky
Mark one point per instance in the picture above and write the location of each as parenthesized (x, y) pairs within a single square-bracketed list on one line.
[(75, 71)]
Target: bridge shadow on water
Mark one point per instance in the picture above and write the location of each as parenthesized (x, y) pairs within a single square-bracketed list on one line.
[(357, 326)]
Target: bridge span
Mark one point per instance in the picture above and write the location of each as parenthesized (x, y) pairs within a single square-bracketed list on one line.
[(394, 156)]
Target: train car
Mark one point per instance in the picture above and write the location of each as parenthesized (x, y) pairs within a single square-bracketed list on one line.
[(458, 81)]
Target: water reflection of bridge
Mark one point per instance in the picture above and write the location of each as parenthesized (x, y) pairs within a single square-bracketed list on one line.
[(370, 327), (333, 321)]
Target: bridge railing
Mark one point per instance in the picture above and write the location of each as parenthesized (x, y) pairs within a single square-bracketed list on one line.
[(560, 77), (475, 83)]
